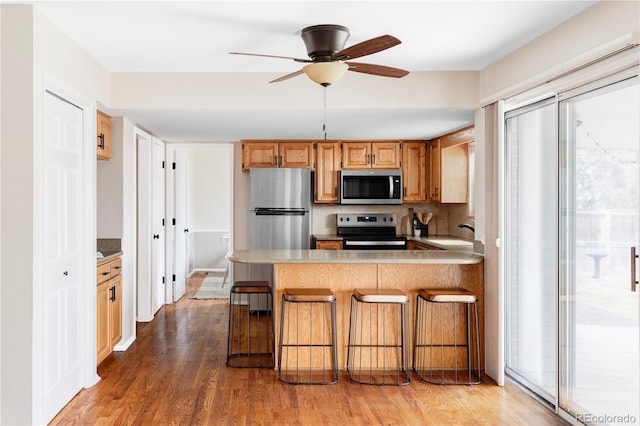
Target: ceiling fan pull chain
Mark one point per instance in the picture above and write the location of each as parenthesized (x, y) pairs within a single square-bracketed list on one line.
[(324, 112)]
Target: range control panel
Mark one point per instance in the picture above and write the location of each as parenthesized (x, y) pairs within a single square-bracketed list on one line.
[(366, 220)]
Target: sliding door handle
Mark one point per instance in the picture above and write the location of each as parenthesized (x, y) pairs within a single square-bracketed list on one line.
[(634, 277)]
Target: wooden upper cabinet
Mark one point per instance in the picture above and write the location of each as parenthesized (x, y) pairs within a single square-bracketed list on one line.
[(327, 172), (449, 166), (371, 155), (414, 171), (356, 155), (296, 154), (434, 162), (103, 136), (385, 155), (277, 154), (259, 154)]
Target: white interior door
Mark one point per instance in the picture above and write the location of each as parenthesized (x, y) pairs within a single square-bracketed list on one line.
[(180, 230), (157, 225), (62, 254)]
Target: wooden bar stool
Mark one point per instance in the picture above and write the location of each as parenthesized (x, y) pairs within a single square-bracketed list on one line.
[(438, 354), (378, 337), (308, 349), (251, 335)]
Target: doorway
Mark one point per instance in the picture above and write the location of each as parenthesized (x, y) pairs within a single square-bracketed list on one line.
[(199, 206)]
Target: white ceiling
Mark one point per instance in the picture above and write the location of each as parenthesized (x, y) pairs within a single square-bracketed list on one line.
[(181, 36)]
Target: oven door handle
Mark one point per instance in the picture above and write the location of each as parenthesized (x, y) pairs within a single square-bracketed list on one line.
[(374, 243)]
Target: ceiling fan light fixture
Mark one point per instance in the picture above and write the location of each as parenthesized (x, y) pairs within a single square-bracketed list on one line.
[(325, 73)]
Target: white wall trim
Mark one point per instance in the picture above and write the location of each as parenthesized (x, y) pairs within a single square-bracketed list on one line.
[(622, 49)]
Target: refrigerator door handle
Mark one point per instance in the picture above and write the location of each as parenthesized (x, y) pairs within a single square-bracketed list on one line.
[(280, 212)]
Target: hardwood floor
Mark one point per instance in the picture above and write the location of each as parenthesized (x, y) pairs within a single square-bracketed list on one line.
[(175, 373)]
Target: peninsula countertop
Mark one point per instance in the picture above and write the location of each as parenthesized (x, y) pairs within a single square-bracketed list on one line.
[(416, 257)]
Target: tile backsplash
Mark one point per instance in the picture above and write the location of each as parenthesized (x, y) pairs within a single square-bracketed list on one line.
[(446, 217)]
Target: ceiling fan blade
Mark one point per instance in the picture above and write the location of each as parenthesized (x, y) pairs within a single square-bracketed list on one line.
[(367, 47), (271, 56), (381, 70), (288, 76)]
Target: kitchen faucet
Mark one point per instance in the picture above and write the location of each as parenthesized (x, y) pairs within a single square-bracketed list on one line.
[(466, 225)]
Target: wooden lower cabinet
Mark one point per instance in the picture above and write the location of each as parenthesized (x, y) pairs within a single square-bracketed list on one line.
[(416, 245), (328, 245), (108, 308)]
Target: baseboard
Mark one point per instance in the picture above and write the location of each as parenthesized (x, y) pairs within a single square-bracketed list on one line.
[(124, 345)]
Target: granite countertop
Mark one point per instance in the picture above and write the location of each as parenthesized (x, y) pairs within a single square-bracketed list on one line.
[(445, 242), (355, 256), (108, 255)]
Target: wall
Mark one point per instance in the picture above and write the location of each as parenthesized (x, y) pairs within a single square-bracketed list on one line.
[(32, 52), (577, 41), (16, 192)]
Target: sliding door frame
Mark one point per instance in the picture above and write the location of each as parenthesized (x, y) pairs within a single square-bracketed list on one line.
[(610, 71)]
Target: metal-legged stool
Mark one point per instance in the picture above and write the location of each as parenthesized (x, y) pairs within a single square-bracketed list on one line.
[(251, 334), (378, 337), (438, 355), (307, 352)]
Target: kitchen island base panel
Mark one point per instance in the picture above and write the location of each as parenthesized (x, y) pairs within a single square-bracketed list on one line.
[(343, 278)]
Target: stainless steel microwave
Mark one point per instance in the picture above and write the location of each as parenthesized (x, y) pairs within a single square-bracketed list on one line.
[(371, 187)]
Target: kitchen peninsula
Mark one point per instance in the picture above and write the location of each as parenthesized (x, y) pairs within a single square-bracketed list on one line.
[(344, 270)]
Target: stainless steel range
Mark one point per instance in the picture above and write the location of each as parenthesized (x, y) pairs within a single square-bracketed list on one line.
[(361, 231)]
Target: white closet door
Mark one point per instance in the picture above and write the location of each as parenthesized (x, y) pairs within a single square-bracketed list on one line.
[(62, 317), (180, 230), (157, 225)]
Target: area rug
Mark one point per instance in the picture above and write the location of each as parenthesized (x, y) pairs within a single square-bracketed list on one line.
[(211, 287)]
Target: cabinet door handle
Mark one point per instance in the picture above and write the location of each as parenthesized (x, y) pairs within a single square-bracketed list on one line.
[(112, 297), (156, 236), (117, 267), (106, 273), (368, 158), (374, 159), (101, 143)]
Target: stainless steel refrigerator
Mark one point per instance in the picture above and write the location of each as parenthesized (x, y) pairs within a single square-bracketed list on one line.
[(279, 212)]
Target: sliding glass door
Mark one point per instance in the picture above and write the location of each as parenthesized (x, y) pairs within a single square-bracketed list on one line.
[(572, 221), (599, 225), (531, 247)]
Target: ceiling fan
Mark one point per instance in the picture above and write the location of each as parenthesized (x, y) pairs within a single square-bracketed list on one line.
[(329, 59)]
